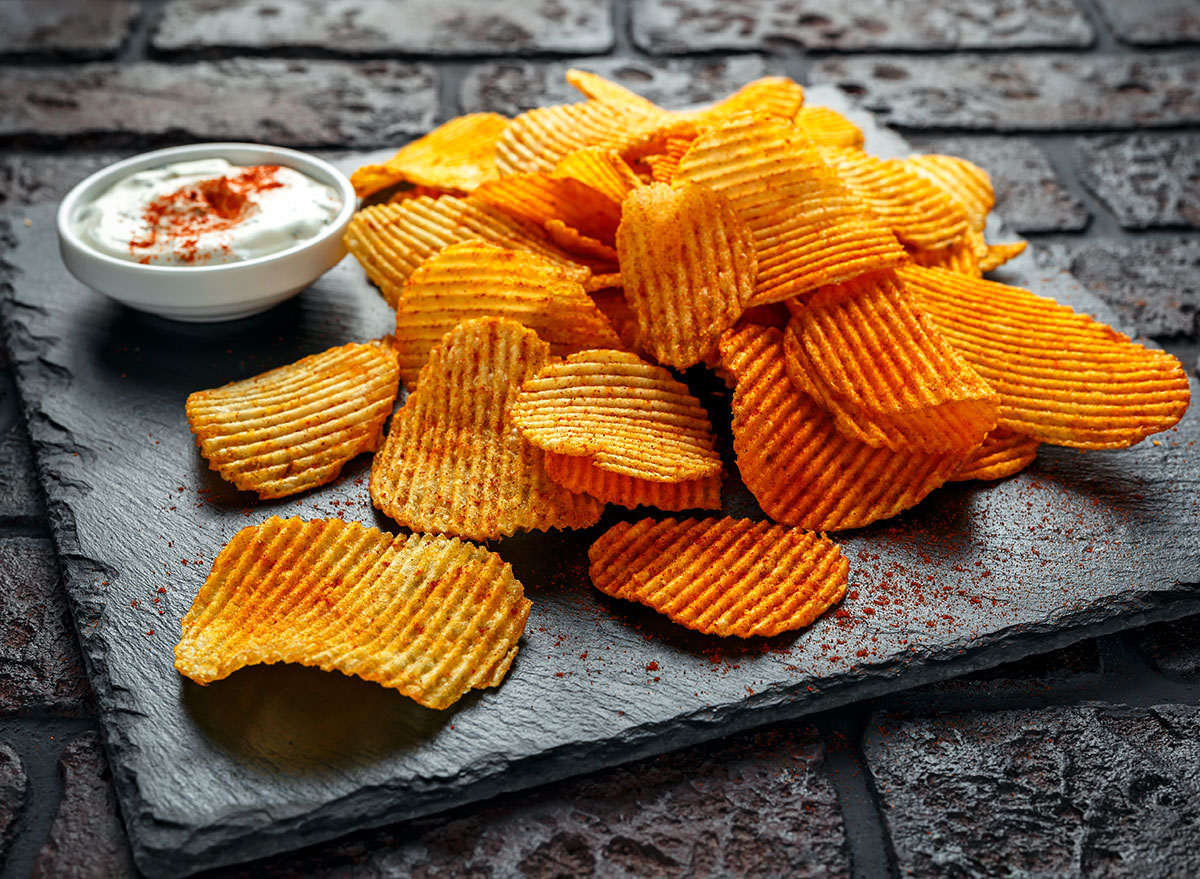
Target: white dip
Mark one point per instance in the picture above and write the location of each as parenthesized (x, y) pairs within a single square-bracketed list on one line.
[(207, 212)]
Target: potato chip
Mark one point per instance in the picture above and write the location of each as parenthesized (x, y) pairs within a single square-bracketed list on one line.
[(455, 157), (688, 265), (966, 183), (998, 254), (1002, 454), (800, 468), (293, 428), (430, 616), (611, 302), (775, 96), (539, 197), (721, 576), (885, 375), (919, 212), (579, 474), (454, 462), (580, 246), (596, 87), (391, 240), (827, 127), (602, 281), (809, 228), (627, 415), (475, 279), (602, 169), (1062, 377), (960, 257)]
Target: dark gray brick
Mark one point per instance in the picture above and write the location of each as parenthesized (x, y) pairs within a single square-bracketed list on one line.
[(94, 29), (1153, 22), (40, 665), (1089, 790), (30, 179), (448, 27), (1173, 648), (1077, 665), (1154, 285), (1029, 194), (670, 26), (1013, 92), (20, 497), (292, 102), (514, 86), (1146, 180), (87, 840), (12, 795)]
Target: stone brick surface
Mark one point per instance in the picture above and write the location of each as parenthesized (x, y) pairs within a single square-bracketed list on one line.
[(1076, 665), (33, 178), (87, 839), (1092, 790), (1153, 284), (1029, 194), (290, 102), (12, 795), (1153, 22), (511, 87), (1030, 91), (20, 497), (1145, 180), (40, 665), (438, 27), (696, 25), (1173, 648), (65, 27)]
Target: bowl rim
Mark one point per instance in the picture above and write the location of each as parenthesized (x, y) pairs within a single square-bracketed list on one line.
[(93, 184)]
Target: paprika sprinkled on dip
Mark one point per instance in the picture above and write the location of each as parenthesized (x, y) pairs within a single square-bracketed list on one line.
[(207, 212)]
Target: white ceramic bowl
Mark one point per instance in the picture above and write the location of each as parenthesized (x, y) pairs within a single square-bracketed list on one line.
[(206, 293)]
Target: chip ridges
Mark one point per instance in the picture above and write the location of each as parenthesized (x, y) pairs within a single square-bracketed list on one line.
[(579, 474), (454, 461), (538, 197), (430, 616), (1062, 377), (964, 181), (721, 576), (293, 428), (827, 127), (1002, 454), (800, 468), (688, 265)]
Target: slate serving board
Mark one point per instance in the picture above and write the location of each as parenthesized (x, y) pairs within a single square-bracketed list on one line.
[(278, 757)]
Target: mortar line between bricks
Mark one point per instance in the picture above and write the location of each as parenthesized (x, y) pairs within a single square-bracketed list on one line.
[(137, 42), (622, 25), (1106, 40)]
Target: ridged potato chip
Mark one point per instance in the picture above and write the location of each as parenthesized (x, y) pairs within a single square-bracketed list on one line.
[(476, 279), (293, 428), (626, 415), (665, 165), (430, 616), (776, 96), (600, 168), (961, 257), (997, 255), (886, 376), (538, 197), (391, 240), (688, 265), (579, 474), (965, 182), (455, 157), (1063, 378), (596, 87), (721, 576), (920, 213), (597, 254), (454, 461), (1002, 454), (611, 301), (800, 468), (827, 127), (809, 228)]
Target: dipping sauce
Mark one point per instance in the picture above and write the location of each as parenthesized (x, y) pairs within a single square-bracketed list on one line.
[(207, 212)]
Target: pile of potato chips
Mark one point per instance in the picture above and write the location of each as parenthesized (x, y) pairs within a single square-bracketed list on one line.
[(549, 273)]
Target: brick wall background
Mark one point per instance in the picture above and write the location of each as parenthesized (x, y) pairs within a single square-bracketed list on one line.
[(1087, 115)]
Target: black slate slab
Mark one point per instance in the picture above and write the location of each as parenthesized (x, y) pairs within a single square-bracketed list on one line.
[(274, 758)]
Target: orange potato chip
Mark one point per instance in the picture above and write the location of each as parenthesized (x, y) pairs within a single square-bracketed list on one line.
[(430, 616), (475, 279), (611, 301), (579, 474), (580, 246), (920, 213), (1063, 378), (688, 264), (456, 157), (827, 127), (602, 169), (627, 415), (721, 576), (596, 87), (665, 165), (293, 428), (998, 254), (776, 96), (454, 462), (391, 240), (809, 228), (966, 183), (539, 197), (885, 375), (1002, 454), (800, 468), (961, 257), (602, 281)]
